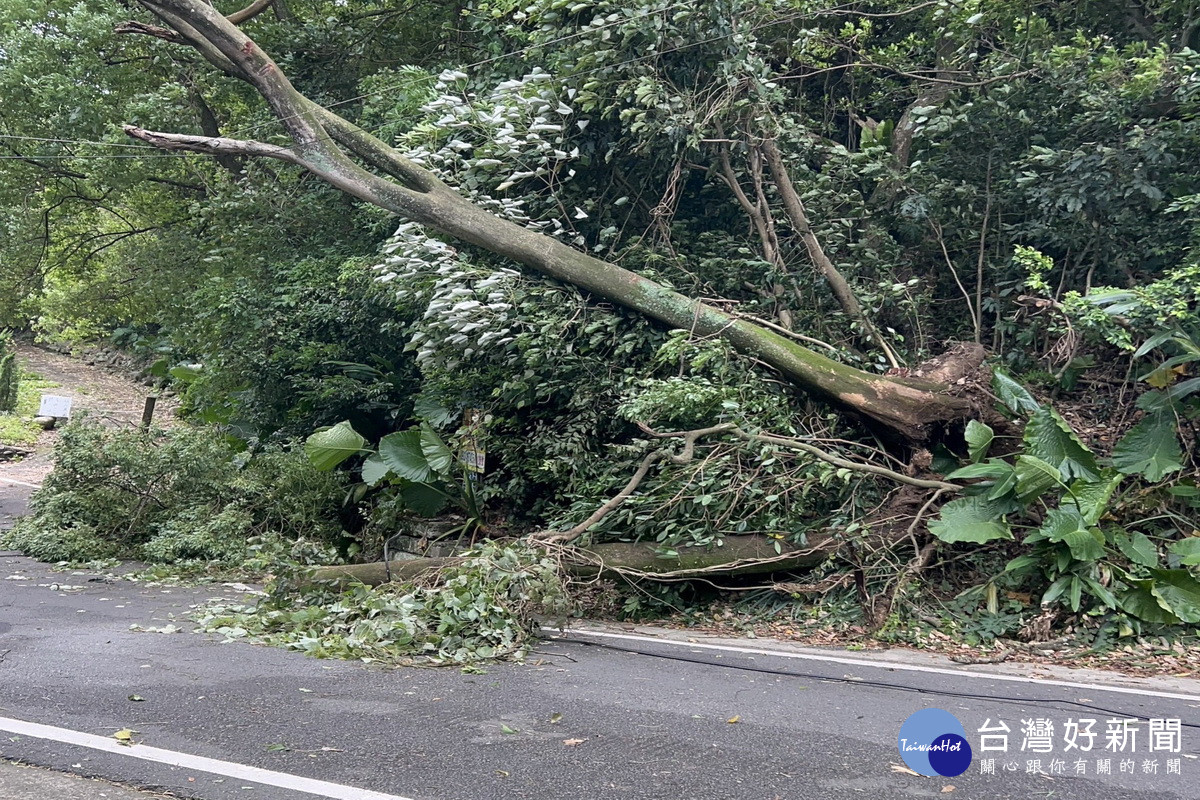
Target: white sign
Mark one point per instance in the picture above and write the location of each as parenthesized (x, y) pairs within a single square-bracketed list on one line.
[(55, 406)]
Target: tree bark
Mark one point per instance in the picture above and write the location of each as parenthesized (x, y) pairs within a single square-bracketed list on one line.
[(740, 555), (838, 284), (905, 407)]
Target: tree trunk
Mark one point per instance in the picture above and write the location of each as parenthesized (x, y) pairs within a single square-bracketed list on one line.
[(740, 555), (905, 407)]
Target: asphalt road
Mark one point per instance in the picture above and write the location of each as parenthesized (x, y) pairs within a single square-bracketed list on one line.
[(676, 720)]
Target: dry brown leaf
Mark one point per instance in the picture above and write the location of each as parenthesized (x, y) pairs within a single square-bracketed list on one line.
[(905, 770), (948, 789), (573, 742), (734, 720)]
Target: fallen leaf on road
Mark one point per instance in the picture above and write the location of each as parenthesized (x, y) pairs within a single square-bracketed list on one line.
[(573, 742), (307, 691), (947, 789), (124, 736), (905, 770), (734, 720), (502, 773), (136, 698), (555, 718), (277, 747), (151, 629), (505, 729)]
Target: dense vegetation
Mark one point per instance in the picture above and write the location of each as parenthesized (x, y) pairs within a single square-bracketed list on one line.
[(872, 180)]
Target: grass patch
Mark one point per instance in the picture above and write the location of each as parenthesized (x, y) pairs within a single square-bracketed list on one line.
[(17, 429)]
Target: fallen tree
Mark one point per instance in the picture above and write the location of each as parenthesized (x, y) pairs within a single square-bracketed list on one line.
[(738, 555), (910, 408)]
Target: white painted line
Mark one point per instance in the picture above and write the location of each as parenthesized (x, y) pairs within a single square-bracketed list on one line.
[(864, 662), (229, 769), (21, 483)]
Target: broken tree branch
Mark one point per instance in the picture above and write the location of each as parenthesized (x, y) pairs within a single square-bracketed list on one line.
[(838, 284), (684, 456)]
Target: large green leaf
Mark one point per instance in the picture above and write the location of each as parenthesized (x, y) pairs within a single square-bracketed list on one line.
[(424, 499), (374, 471), (1091, 498), (403, 455), (979, 439), (1013, 395), (1003, 486), (1034, 477), (1050, 438), (330, 447), (997, 470), (431, 410), (1150, 448), (1068, 526), (1180, 591), (439, 457), (1187, 549), (1060, 522), (1137, 548), (970, 519), (1142, 601), (1085, 545)]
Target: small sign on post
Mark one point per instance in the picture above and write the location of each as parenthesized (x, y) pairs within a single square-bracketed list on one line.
[(55, 406)]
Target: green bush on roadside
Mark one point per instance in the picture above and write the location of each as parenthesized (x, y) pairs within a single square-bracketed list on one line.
[(172, 496)]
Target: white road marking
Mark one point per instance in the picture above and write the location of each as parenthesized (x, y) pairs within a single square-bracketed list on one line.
[(229, 769), (863, 662), (21, 483)]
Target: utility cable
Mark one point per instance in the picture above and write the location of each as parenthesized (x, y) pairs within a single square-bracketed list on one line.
[(855, 681)]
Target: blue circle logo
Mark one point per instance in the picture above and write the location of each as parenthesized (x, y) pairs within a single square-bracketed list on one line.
[(933, 742)]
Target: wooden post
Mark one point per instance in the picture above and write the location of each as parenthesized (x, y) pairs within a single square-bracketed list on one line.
[(148, 411)]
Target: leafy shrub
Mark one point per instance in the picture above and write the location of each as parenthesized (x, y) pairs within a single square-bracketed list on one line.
[(171, 496), (1066, 501)]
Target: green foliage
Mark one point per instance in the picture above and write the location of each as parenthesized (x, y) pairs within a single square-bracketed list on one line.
[(18, 428), (330, 447), (1058, 163), (10, 374), (1085, 562), (1150, 448), (180, 495), (421, 470), (488, 606), (970, 519)]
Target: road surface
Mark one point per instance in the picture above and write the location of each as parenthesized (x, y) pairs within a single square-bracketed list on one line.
[(616, 713)]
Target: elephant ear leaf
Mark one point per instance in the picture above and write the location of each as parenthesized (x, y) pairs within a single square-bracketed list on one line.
[(1150, 448), (1015, 397), (402, 453), (1050, 438), (374, 471), (979, 439), (970, 519), (437, 454), (330, 447)]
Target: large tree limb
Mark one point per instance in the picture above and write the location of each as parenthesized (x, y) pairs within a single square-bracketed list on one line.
[(838, 284), (906, 407), (212, 145), (739, 555)]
